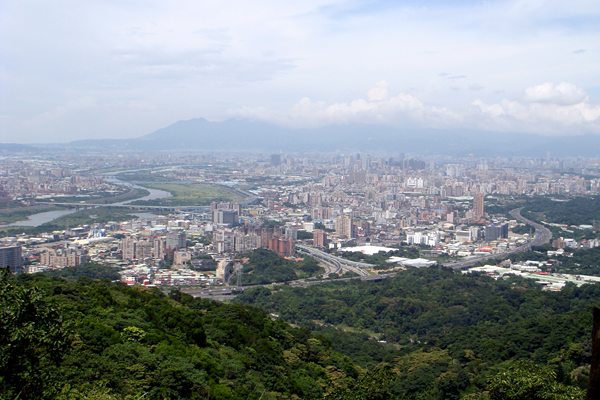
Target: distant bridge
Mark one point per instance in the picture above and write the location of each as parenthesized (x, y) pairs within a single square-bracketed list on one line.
[(85, 206)]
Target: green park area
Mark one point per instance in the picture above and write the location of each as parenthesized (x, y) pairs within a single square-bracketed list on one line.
[(191, 195)]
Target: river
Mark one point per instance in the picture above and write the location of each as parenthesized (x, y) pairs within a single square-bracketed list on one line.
[(48, 216), (41, 218)]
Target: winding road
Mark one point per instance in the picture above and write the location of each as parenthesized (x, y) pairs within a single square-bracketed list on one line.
[(542, 236)]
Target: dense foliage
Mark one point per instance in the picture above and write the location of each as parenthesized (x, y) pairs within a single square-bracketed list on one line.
[(454, 336), (89, 270), (575, 211), (111, 340), (265, 266), (453, 330)]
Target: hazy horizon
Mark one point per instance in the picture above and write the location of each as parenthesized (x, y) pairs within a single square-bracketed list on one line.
[(102, 70)]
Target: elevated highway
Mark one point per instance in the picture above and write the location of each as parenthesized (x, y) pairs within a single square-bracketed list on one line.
[(229, 293), (342, 264)]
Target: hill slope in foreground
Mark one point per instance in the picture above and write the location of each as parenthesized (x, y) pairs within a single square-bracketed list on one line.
[(96, 339)]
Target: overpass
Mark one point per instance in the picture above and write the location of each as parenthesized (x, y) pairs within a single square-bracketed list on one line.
[(85, 206), (229, 293), (344, 265)]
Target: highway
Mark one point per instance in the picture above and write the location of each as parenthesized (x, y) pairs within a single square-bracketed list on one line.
[(542, 236), (335, 264), (230, 292), (339, 263)]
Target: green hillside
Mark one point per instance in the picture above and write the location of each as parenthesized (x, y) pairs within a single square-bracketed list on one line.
[(448, 337), (104, 339), (451, 332)]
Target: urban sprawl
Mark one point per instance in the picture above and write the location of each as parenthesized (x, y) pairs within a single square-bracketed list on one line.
[(289, 204)]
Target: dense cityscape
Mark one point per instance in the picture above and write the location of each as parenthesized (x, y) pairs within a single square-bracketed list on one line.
[(334, 203)]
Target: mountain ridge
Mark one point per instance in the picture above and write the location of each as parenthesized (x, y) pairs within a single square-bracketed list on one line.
[(241, 134)]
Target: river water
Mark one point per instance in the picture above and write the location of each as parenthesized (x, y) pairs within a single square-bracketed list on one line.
[(41, 218), (48, 216)]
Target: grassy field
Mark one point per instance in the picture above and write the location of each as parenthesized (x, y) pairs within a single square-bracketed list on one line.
[(191, 195)]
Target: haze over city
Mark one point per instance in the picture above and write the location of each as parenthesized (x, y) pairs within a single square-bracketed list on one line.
[(94, 70)]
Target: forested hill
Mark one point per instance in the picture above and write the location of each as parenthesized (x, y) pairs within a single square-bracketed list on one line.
[(95, 339), (92, 339), (581, 210), (453, 330)]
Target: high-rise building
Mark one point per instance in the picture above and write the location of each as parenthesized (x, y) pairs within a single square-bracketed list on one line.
[(176, 239), (143, 249), (128, 248), (63, 257), (226, 217), (345, 227), (224, 241), (320, 238), (495, 232), (283, 247), (246, 243), (275, 159), (357, 176), (10, 256), (320, 213), (158, 247), (478, 205)]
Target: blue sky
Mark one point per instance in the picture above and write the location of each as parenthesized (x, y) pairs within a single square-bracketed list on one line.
[(110, 69)]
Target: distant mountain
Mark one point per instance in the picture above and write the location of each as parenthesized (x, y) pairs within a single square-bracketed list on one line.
[(17, 148), (236, 134)]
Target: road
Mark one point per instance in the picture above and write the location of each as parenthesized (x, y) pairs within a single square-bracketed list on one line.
[(542, 236), (340, 264), (337, 265), (228, 293)]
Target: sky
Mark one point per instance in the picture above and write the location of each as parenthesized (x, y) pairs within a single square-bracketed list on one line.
[(120, 69)]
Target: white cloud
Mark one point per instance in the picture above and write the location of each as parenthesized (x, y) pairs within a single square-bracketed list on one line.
[(378, 93), (548, 110), (189, 59), (562, 94), (402, 109)]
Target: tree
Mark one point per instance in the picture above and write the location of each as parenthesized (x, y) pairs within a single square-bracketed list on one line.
[(373, 385), (33, 338), (526, 381)]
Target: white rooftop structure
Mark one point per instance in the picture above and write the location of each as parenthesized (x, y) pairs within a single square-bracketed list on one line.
[(368, 250), (414, 263)]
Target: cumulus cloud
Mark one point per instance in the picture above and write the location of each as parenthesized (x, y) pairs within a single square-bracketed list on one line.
[(546, 109), (403, 109), (543, 109), (563, 94), (378, 93)]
